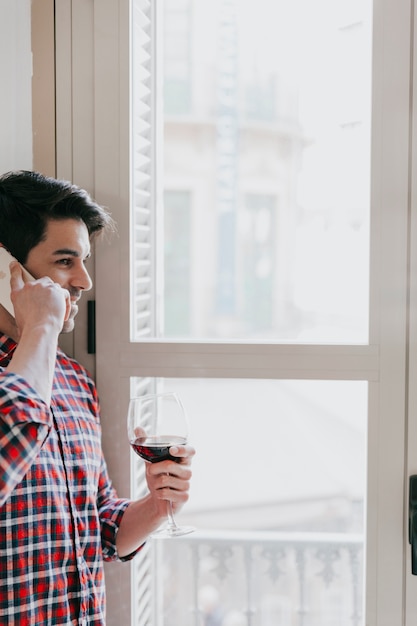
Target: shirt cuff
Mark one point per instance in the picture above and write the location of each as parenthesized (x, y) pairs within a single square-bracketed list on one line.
[(110, 529)]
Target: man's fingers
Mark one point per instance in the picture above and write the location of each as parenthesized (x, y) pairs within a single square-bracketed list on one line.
[(67, 305), (16, 275)]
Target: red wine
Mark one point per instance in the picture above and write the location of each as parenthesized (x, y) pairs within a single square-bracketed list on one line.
[(155, 449)]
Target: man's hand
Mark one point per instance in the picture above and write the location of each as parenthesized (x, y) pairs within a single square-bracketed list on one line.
[(39, 302), (170, 480), (40, 308), (167, 481)]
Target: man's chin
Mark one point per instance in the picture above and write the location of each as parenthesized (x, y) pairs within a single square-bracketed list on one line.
[(68, 326)]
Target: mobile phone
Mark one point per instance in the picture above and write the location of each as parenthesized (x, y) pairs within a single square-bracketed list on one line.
[(5, 259)]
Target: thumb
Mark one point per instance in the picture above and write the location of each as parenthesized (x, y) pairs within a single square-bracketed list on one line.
[(16, 275)]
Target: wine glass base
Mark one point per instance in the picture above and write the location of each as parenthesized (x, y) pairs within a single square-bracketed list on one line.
[(168, 533)]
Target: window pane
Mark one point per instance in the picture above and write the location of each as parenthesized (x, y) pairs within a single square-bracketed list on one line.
[(266, 144), (278, 500)]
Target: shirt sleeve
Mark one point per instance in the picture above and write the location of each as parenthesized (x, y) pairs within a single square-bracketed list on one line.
[(111, 511), (25, 420)]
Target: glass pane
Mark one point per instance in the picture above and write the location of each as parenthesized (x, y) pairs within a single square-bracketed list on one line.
[(278, 501), (266, 143)]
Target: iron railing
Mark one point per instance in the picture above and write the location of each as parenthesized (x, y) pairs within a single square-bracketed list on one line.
[(260, 579)]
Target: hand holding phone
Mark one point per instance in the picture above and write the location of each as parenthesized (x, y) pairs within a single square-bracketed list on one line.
[(5, 259)]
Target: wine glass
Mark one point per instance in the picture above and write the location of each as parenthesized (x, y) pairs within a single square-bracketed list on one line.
[(156, 422)]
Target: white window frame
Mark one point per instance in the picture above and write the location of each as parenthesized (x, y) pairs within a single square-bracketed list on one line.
[(93, 149)]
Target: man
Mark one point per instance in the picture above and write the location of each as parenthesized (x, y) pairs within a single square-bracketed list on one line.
[(60, 517)]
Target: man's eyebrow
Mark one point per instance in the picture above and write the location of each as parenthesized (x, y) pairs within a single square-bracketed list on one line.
[(69, 252)]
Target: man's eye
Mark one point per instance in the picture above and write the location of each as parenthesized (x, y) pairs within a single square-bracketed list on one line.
[(64, 261)]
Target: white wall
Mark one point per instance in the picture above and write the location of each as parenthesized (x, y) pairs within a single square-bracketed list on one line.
[(15, 85)]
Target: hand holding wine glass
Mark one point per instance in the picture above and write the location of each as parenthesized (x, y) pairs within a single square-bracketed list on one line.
[(157, 422)]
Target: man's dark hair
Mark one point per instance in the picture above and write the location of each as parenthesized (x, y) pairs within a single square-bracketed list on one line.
[(29, 200)]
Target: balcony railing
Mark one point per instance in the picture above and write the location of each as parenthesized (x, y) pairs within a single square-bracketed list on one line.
[(260, 579)]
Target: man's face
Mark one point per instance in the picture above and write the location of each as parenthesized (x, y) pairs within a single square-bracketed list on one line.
[(62, 256)]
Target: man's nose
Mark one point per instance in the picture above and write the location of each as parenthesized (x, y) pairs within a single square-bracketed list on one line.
[(81, 279)]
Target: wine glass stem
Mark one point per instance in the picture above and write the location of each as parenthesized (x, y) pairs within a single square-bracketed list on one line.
[(170, 514)]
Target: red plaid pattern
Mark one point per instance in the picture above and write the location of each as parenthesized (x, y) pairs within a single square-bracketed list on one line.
[(59, 513)]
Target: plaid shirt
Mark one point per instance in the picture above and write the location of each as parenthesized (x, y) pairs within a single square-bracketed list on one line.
[(59, 514)]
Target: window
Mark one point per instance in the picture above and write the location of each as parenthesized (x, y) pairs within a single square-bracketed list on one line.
[(177, 263), (282, 505), (258, 264), (251, 213), (271, 113), (177, 58), (321, 339)]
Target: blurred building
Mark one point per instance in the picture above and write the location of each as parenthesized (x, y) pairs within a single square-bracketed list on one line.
[(264, 177)]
